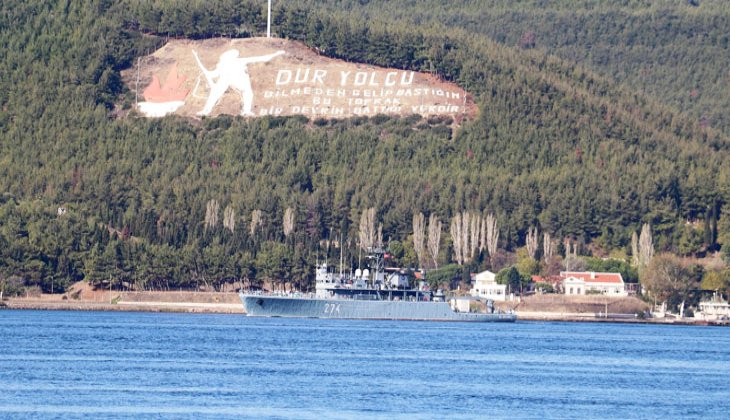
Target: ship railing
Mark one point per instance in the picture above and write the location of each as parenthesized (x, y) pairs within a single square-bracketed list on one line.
[(279, 293)]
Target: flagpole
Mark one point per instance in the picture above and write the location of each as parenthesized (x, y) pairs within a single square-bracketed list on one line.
[(268, 22), (136, 85)]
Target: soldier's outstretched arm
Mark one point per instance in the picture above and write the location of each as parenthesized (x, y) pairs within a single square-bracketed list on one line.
[(264, 58)]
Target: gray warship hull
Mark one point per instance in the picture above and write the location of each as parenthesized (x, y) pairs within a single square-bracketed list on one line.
[(295, 307)]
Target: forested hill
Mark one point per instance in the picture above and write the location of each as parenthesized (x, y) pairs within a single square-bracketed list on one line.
[(89, 194), (677, 51)]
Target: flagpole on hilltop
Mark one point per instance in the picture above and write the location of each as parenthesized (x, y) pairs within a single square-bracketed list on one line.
[(136, 85), (268, 22)]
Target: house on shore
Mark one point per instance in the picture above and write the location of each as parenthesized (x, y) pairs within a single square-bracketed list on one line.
[(589, 282), (485, 286)]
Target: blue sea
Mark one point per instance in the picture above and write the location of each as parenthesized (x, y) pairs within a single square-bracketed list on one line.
[(148, 365)]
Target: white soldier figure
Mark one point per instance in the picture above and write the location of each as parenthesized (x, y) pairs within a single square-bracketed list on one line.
[(231, 71)]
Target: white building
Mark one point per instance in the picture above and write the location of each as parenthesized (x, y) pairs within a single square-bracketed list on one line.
[(714, 309), (485, 286), (584, 282), (574, 286)]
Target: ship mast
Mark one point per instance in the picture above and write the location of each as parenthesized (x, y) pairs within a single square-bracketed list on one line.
[(376, 263), (341, 255)]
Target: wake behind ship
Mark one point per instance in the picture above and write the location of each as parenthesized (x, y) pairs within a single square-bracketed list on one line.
[(363, 296)]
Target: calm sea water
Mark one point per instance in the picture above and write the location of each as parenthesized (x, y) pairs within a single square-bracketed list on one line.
[(146, 365)]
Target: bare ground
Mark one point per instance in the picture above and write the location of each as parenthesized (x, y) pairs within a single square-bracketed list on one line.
[(82, 296), (578, 304)]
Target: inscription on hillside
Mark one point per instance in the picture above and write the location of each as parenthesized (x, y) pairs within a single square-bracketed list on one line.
[(259, 76)]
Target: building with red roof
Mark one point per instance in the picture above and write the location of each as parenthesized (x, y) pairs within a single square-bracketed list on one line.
[(551, 280), (586, 282)]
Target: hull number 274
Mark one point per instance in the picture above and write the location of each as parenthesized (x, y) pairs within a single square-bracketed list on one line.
[(332, 308)]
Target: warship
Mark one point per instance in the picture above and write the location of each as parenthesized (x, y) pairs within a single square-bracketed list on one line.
[(373, 293)]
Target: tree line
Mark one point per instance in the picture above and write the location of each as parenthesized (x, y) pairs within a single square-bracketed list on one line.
[(674, 51), (170, 203)]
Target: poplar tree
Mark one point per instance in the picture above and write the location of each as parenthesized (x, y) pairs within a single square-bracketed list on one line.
[(434, 238), (419, 237)]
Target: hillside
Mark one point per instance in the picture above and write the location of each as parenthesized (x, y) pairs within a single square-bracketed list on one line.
[(168, 203), (677, 52)]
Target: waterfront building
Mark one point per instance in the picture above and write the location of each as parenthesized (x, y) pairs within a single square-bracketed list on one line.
[(589, 282), (485, 286)]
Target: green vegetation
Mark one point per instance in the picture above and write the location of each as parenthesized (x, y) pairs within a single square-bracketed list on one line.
[(445, 275), (675, 51), (553, 145), (716, 280), (669, 280), (544, 287), (511, 277)]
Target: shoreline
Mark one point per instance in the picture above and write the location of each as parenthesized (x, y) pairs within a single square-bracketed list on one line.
[(237, 308), (123, 306)]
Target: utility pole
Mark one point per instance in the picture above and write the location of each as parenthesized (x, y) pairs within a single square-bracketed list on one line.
[(268, 22)]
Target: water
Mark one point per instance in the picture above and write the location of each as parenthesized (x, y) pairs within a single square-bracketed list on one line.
[(142, 365)]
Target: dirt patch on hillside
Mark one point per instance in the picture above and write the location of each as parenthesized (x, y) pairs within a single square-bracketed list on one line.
[(82, 290)]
